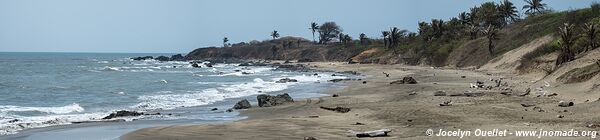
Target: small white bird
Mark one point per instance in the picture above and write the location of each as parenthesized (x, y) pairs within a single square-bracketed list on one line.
[(164, 81)]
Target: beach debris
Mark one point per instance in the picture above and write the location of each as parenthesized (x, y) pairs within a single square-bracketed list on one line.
[(123, 113), (469, 93), (310, 138), (268, 100), (413, 93), (285, 80), (358, 123), (538, 109), (439, 93), (507, 93), (463, 76), (339, 80), (593, 125), (243, 104), (546, 84), (446, 103), (386, 74), (364, 82), (560, 116), (335, 95), (374, 133), (164, 81), (553, 94), (479, 84), (565, 104), (313, 116), (214, 109), (527, 104), (350, 72), (337, 109), (526, 92), (472, 85)]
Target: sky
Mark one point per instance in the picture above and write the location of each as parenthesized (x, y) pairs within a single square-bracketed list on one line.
[(179, 26)]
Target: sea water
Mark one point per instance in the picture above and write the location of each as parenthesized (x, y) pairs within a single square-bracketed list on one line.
[(49, 89)]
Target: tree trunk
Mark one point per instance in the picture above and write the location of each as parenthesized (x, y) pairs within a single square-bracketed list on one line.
[(490, 47)]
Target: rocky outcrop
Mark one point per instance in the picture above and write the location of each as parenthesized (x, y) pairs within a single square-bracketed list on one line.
[(285, 80), (177, 57), (142, 58), (268, 100), (405, 80), (162, 58), (123, 113), (243, 104)]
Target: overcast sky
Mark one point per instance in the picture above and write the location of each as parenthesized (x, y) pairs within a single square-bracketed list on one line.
[(179, 26)]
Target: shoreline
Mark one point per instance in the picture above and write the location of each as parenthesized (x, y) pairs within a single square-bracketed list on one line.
[(108, 128), (407, 109)]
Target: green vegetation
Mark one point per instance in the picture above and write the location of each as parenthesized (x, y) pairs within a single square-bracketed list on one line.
[(471, 38)]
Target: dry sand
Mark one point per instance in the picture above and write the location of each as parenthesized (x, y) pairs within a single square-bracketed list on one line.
[(379, 104)]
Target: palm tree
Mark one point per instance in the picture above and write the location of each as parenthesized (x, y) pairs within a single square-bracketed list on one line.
[(438, 27), (534, 6), (314, 27), (395, 36), (508, 11), (225, 40), (491, 33), (363, 38), (568, 38), (591, 31), (275, 34), (385, 35)]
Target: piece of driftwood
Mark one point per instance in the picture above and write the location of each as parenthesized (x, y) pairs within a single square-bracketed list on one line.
[(374, 133), (337, 109)]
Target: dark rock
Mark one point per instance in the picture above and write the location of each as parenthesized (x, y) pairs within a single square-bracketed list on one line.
[(210, 65), (565, 104), (230, 110), (335, 95), (177, 57), (405, 80), (246, 73), (297, 67), (285, 80), (463, 76), (243, 104), (142, 58), (244, 64), (162, 58), (409, 80), (13, 120), (195, 65), (123, 113), (337, 109), (268, 101), (287, 62), (310, 138), (214, 109), (364, 82)]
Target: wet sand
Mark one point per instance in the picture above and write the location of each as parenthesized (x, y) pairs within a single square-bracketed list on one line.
[(379, 104)]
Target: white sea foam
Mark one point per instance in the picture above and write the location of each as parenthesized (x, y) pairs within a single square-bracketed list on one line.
[(207, 96), (54, 110), (9, 125)]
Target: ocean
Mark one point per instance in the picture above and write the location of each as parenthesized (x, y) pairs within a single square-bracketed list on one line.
[(56, 89)]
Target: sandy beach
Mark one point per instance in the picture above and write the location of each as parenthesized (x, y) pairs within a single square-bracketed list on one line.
[(407, 109)]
